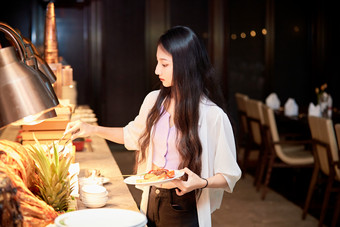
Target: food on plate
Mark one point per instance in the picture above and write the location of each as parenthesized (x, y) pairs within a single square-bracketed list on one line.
[(156, 175)]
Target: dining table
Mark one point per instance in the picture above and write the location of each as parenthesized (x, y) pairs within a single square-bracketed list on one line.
[(292, 126), (297, 126)]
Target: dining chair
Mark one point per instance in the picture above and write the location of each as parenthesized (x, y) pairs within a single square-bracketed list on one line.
[(326, 155), (255, 140), (281, 152)]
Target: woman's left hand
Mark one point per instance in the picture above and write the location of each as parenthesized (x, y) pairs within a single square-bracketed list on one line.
[(193, 182)]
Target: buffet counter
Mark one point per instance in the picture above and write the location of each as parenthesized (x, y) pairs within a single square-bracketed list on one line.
[(99, 157)]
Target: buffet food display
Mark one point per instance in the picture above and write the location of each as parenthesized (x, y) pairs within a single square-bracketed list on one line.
[(39, 176), (29, 198), (36, 179), (17, 167)]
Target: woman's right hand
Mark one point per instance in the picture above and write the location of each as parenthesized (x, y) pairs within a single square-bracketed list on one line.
[(79, 129)]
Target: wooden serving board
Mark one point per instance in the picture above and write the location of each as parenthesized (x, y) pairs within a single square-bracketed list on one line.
[(52, 124), (43, 135)]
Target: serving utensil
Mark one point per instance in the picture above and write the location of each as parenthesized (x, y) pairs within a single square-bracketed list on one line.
[(61, 138), (68, 140)]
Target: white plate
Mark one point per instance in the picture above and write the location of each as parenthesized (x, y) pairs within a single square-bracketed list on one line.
[(94, 205), (133, 179), (101, 217)]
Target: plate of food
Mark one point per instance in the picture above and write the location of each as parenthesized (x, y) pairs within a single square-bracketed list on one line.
[(154, 177)]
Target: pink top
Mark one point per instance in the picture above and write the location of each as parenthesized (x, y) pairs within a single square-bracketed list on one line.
[(165, 153)]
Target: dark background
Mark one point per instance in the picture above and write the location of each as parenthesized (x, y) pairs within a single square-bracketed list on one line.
[(111, 46)]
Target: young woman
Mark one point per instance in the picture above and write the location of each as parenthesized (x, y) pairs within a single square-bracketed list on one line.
[(181, 126)]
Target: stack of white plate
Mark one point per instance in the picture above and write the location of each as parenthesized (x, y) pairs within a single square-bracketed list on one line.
[(94, 196), (102, 217)]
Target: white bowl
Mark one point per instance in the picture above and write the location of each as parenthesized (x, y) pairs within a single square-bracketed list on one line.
[(94, 205), (86, 202), (85, 196), (93, 198), (94, 189), (89, 200), (94, 195)]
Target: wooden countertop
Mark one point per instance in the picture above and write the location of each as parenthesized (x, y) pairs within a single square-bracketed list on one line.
[(99, 158)]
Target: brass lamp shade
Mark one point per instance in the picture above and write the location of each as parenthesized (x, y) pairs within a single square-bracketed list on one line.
[(24, 92)]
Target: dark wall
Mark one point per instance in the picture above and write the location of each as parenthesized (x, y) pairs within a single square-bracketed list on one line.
[(193, 14), (124, 81), (72, 28), (105, 42), (246, 55), (330, 58), (18, 16), (305, 50), (293, 59)]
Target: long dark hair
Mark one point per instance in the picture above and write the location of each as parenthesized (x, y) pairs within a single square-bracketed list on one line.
[(192, 79)]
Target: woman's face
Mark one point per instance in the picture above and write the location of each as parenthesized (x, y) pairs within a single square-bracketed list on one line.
[(164, 68)]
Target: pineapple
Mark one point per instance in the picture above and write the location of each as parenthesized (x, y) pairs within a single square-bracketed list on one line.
[(53, 179)]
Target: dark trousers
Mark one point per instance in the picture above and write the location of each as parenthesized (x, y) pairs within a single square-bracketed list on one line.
[(166, 208)]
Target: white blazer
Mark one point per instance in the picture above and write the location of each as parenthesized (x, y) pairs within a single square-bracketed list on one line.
[(218, 153)]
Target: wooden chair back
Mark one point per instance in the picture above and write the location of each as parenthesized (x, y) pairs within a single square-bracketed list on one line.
[(325, 144), (270, 123), (276, 145), (255, 119)]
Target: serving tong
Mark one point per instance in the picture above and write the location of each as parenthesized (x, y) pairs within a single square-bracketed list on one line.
[(61, 138)]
